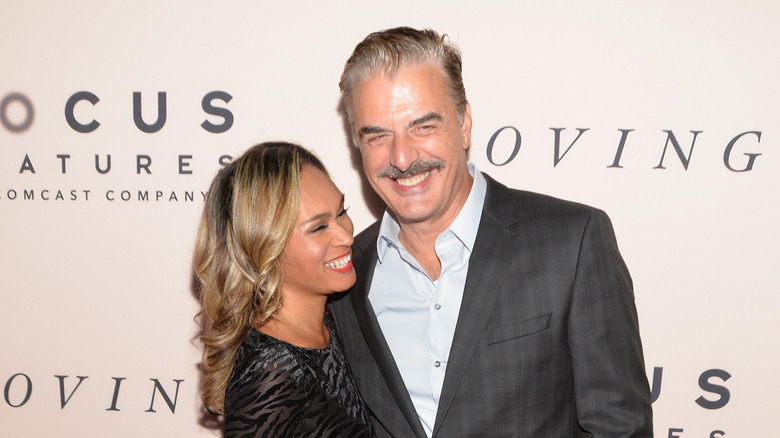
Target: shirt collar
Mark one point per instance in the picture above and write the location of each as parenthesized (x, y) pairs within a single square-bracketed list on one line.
[(464, 227)]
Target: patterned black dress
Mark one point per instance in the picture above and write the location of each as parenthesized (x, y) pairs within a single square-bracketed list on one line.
[(279, 390)]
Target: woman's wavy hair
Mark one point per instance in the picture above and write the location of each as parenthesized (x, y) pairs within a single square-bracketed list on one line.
[(250, 211)]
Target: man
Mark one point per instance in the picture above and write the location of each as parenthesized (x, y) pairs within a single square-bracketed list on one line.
[(479, 311)]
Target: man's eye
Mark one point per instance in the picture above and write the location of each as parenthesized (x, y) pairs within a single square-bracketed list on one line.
[(380, 138)]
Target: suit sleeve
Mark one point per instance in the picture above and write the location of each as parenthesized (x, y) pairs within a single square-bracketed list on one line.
[(611, 388)]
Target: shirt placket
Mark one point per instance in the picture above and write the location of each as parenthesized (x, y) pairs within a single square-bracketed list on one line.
[(440, 338)]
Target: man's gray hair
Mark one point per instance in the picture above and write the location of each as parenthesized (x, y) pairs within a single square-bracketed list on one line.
[(387, 51)]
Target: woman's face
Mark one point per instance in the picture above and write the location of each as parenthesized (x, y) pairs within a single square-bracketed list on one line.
[(317, 258)]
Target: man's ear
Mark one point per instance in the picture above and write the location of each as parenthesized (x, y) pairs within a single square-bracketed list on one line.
[(465, 127)]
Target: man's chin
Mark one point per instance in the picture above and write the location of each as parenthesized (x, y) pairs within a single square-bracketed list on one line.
[(409, 216)]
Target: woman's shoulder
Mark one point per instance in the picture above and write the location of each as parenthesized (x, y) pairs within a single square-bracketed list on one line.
[(260, 351), (266, 390), (263, 363), (264, 358)]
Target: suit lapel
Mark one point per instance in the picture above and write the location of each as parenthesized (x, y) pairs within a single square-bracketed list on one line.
[(365, 262), (483, 281)]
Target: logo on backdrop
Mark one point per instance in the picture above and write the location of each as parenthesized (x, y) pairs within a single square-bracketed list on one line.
[(716, 395), (22, 107), (17, 116), (18, 390), (511, 141)]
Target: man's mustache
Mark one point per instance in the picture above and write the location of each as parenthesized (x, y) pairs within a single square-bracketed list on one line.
[(419, 166)]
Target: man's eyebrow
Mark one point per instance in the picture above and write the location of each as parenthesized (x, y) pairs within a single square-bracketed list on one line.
[(366, 130), (425, 119)]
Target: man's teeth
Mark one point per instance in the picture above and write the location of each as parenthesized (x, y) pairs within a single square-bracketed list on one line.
[(414, 180), (340, 263)]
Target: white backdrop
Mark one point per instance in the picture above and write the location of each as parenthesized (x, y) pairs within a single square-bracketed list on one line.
[(95, 275)]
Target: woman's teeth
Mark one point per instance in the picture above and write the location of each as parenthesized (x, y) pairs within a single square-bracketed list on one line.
[(340, 263)]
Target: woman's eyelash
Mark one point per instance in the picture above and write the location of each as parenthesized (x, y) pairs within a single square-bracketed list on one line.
[(323, 225), (319, 227)]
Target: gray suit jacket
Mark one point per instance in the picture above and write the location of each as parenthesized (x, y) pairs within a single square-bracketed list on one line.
[(547, 340)]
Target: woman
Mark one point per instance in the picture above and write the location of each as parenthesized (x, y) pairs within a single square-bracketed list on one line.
[(274, 242)]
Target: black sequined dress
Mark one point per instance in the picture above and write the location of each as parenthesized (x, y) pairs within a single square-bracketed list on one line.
[(280, 390)]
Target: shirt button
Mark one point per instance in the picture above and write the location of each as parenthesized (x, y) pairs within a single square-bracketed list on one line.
[(437, 364), (437, 306)]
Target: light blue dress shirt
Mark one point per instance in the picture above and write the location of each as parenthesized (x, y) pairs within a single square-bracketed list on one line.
[(417, 314)]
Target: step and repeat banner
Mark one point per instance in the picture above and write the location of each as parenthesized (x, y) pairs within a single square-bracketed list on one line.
[(115, 118)]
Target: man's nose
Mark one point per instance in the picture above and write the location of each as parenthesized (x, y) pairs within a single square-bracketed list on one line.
[(403, 152)]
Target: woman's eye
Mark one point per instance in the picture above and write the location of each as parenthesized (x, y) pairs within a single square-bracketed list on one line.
[(319, 228), (343, 211)]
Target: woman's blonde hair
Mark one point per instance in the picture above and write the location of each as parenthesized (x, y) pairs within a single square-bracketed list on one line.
[(250, 211)]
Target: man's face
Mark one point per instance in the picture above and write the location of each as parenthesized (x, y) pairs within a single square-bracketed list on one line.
[(412, 144)]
